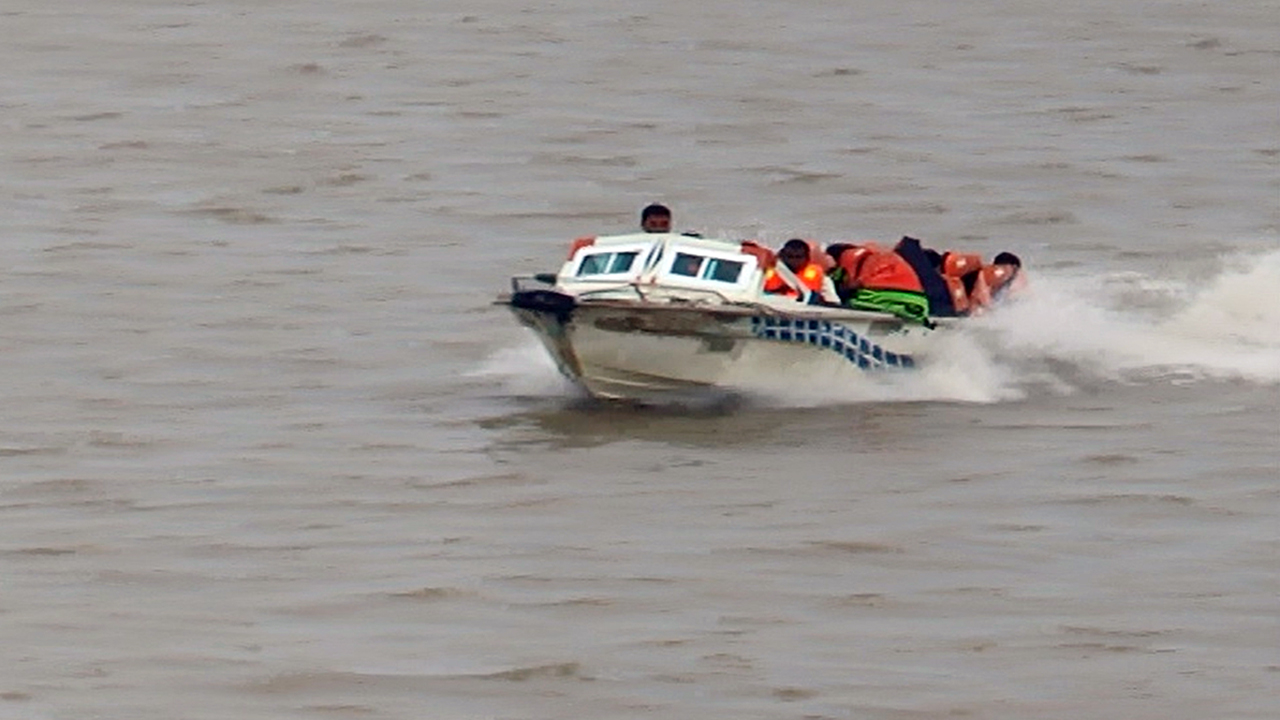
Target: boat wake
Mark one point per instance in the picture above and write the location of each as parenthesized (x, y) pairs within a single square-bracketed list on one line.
[(1134, 328), (1067, 332)]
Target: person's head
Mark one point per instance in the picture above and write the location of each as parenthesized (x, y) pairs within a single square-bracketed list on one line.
[(835, 250), (1007, 258), (794, 254), (655, 218)]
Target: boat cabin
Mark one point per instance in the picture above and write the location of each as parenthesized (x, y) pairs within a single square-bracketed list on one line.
[(651, 264)]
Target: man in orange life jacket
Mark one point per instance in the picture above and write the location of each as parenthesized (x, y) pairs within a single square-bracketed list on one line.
[(795, 255)]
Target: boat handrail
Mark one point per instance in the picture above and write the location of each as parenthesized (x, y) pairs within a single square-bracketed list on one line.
[(615, 286), (640, 290), (551, 279)]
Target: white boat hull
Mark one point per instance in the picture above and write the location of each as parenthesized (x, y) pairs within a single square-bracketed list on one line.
[(656, 352)]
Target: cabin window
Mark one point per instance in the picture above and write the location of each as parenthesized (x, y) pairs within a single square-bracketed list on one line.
[(622, 262), (607, 263), (706, 268), (722, 270), (687, 265)]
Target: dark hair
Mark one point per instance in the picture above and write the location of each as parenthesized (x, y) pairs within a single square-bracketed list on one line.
[(1007, 258), (796, 244), (835, 249), (654, 209)]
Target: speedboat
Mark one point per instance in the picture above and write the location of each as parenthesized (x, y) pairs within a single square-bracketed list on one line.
[(656, 317)]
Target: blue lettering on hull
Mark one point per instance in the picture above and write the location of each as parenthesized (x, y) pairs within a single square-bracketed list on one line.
[(859, 350)]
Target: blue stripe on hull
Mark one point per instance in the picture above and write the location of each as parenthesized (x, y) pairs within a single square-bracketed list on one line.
[(859, 350)]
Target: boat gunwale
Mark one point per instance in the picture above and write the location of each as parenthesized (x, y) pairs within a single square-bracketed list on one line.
[(737, 309)]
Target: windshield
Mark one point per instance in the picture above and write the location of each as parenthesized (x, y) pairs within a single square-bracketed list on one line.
[(607, 263)]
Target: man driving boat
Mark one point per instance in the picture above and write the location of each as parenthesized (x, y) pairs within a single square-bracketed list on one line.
[(655, 218)]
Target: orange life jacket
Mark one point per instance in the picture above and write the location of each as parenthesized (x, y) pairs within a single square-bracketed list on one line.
[(851, 259), (960, 264), (959, 298), (811, 275), (992, 279), (820, 256), (954, 267), (887, 270)]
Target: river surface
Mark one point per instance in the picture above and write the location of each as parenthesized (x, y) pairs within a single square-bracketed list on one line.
[(267, 449)]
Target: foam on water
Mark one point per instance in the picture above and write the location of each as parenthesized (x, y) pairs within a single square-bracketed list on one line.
[(963, 371), (1238, 307), (523, 370), (1134, 327)]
